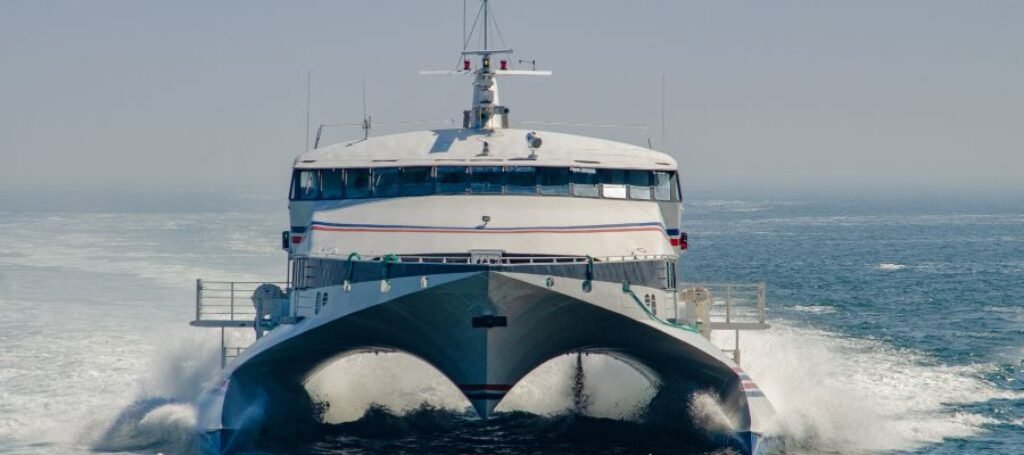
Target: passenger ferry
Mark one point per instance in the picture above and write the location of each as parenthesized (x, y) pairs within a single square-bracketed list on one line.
[(485, 251)]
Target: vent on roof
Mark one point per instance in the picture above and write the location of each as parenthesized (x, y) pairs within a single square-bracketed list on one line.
[(384, 161), (308, 161), (663, 163), (587, 161)]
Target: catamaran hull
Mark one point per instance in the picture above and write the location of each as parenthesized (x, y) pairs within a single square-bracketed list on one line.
[(485, 330)]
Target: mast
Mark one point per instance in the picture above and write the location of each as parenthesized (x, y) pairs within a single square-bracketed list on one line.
[(486, 112)]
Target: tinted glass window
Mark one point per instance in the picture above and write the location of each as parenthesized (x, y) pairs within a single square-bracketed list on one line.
[(553, 180), (584, 182), (357, 183), (451, 179), (307, 185), (416, 181), (485, 179), (332, 185), (385, 182), (662, 186), (521, 179), (613, 183), (639, 184), (677, 193)]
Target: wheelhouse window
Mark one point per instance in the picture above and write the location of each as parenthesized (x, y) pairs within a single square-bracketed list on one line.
[(521, 180), (486, 179), (613, 183), (639, 184), (357, 183), (306, 185), (585, 182), (416, 181), (553, 180), (332, 184), (662, 186), (385, 182), (452, 179)]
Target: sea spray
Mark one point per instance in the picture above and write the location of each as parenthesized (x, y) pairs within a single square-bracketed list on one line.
[(580, 399), (839, 394), (163, 415)]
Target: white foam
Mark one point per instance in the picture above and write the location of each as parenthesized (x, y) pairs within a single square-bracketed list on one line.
[(813, 309), (838, 394), (890, 267), (402, 383)]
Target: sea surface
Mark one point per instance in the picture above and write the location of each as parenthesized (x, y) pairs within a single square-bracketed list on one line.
[(898, 327)]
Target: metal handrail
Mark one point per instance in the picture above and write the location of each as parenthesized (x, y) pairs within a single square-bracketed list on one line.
[(516, 260), (732, 303), (227, 300)]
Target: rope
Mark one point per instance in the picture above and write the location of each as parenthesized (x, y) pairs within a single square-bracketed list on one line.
[(647, 311)]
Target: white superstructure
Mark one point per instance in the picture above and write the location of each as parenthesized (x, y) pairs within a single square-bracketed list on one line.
[(485, 251)]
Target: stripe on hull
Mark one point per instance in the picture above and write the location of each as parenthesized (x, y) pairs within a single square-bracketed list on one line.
[(323, 226)]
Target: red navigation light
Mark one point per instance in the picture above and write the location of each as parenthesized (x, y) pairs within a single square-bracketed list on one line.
[(465, 64), (504, 64)]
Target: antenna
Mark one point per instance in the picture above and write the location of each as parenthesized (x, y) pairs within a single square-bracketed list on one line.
[(366, 118), (309, 77), (664, 146)]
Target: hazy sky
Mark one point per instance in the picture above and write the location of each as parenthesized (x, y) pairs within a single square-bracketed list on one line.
[(796, 94)]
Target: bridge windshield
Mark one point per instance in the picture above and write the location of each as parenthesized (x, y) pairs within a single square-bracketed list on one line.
[(382, 182)]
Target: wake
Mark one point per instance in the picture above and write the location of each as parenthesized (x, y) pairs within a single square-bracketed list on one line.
[(832, 394)]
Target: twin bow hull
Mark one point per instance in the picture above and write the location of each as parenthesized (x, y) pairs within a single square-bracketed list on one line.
[(485, 328)]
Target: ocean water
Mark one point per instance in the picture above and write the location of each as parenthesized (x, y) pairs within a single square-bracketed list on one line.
[(898, 328)]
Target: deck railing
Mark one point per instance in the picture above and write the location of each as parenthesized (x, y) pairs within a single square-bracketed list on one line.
[(226, 303), (507, 260), (726, 306)]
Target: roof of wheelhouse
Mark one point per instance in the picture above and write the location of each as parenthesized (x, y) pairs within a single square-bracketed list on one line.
[(507, 147)]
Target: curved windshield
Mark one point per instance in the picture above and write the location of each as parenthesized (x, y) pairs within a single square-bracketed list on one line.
[(639, 184), (306, 185), (585, 182), (384, 182), (452, 179), (521, 179), (613, 183), (553, 180), (332, 184), (662, 185), (485, 179), (416, 181), (357, 183)]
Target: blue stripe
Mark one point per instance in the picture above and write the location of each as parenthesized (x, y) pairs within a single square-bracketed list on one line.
[(398, 226), (672, 232), (298, 229)]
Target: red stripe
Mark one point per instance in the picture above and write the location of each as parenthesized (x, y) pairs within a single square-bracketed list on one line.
[(471, 387)]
